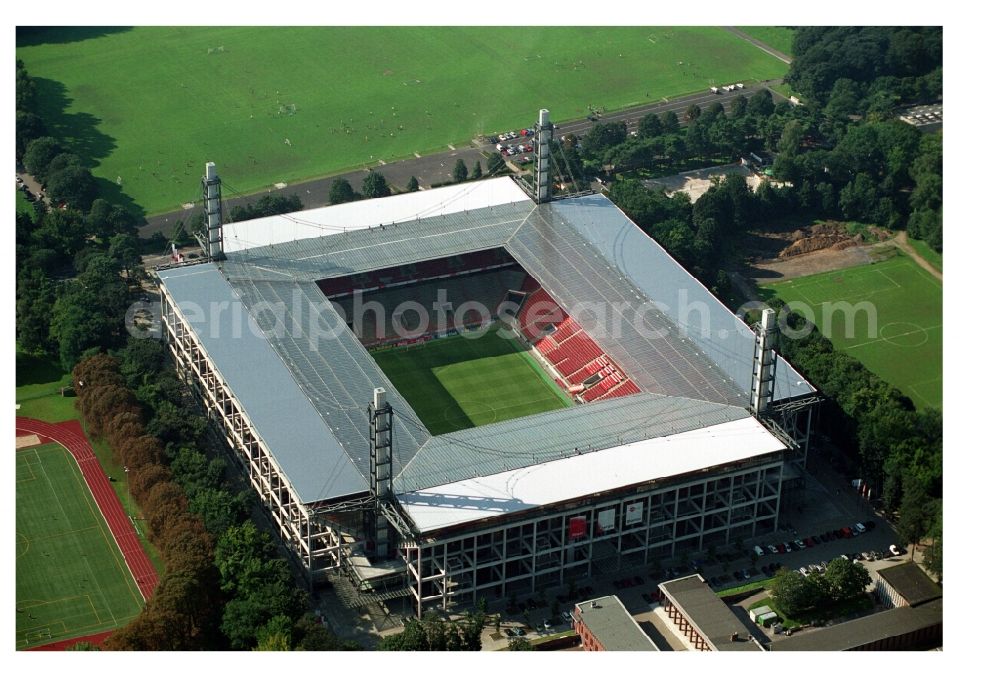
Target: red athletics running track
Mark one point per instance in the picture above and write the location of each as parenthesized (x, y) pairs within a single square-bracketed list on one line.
[(93, 639), (70, 435)]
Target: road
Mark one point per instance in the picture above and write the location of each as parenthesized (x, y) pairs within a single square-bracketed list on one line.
[(781, 56), (903, 242), (436, 168)]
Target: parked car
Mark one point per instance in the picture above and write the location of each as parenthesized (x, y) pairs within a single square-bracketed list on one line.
[(860, 527), (781, 548), (855, 557), (846, 532), (804, 571), (518, 631), (509, 631), (789, 547), (547, 624), (567, 617), (800, 544), (870, 525), (772, 549), (894, 550), (758, 551)]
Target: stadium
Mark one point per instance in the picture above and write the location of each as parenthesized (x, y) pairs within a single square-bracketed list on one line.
[(481, 390)]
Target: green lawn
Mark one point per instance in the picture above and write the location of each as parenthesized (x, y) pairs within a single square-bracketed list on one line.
[(22, 204), (928, 254), (150, 105), (71, 577), (848, 608), (37, 396), (778, 37), (459, 382), (898, 316)]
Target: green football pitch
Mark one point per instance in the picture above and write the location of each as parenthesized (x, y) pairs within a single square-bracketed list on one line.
[(149, 106), (897, 328), (71, 578), (460, 382)]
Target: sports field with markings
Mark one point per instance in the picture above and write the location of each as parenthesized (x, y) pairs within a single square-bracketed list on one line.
[(896, 330), (460, 382), (71, 578), (147, 106)]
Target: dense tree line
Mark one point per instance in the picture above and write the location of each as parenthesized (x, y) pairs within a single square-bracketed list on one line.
[(878, 66), (436, 633), (267, 205), (225, 585)]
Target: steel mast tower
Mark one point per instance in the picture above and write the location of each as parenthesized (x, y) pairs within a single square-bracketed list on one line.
[(211, 191)]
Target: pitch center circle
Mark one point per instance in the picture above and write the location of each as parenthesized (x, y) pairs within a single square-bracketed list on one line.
[(904, 334)]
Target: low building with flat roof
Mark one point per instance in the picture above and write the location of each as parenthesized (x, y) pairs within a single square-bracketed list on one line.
[(905, 585), (604, 624), (905, 628), (702, 617)]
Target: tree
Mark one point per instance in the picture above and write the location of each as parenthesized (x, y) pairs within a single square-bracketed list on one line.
[(693, 112), (124, 249), (794, 593), (106, 219), (460, 172), (845, 579), (671, 125), (494, 163), (738, 107), (412, 185), (38, 154), (341, 191), (375, 185), (761, 103), (603, 136), (35, 298), (650, 126), (477, 171), (73, 185), (519, 643), (934, 556), (915, 511), (28, 127)]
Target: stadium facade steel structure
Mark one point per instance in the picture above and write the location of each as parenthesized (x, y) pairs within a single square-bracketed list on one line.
[(695, 458)]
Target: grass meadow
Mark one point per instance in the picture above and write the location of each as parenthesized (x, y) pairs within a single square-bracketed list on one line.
[(897, 332), (147, 107)]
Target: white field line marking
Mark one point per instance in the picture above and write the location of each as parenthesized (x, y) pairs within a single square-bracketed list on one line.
[(900, 335)]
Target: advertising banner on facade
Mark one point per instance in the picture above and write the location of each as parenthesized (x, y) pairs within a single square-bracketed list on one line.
[(606, 520), (577, 526), (633, 513)]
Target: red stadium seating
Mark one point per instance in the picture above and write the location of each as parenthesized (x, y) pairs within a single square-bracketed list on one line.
[(565, 345)]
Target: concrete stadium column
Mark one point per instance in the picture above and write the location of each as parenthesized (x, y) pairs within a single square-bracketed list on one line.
[(543, 139)]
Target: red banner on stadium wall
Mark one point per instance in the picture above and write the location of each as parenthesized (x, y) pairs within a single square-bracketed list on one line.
[(577, 526)]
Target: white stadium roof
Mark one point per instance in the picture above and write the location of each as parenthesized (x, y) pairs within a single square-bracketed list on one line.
[(366, 214), (560, 480)]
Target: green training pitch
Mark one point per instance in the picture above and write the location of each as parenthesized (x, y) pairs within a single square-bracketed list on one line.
[(151, 105), (900, 339), (460, 382), (71, 578)]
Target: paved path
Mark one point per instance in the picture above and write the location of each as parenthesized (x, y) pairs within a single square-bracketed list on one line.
[(903, 242), (781, 56), (436, 168), (70, 436)]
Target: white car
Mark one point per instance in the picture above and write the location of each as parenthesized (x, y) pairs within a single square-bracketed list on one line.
[(894, 550), (772, 549), (860, 526), (499, 146)]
